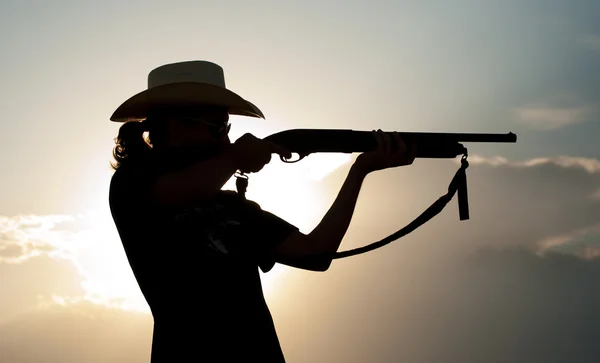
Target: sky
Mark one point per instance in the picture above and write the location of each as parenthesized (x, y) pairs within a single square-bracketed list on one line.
[(515, 283)]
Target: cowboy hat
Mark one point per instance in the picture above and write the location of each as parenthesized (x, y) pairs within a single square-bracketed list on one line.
[(184, 84)]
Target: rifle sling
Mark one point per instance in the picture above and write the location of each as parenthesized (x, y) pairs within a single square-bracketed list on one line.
[(458, 184)]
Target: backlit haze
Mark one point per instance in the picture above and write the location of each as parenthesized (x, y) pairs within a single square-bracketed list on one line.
[(518, 282)]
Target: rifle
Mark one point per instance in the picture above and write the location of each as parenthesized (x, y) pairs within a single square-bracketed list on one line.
[(428, 145)]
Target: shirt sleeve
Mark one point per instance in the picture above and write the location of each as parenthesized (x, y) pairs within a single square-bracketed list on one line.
[(267, 231)]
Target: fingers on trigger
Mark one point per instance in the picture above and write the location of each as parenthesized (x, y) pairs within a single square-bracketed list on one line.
[(281, 151)]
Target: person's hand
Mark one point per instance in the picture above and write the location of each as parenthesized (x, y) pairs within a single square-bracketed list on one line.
[(384, 156), (252, 153)]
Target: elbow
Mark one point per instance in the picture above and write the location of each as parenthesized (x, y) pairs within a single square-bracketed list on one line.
[(304, 251), (315, 267), (320, 265), (321, 261), (323, 266)]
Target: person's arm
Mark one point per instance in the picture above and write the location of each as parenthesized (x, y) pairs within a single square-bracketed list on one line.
[(198, 181), (204, 179), (332, 228), (328, 234)]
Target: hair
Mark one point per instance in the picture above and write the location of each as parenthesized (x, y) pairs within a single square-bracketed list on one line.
[(133, 146)]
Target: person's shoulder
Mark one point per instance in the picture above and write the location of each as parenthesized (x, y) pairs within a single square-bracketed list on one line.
[(128, 179), (133, 171)]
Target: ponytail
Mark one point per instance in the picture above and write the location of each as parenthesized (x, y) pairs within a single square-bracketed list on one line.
[(131, 146)]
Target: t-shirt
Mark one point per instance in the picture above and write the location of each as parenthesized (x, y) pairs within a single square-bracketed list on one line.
[(197, 267)]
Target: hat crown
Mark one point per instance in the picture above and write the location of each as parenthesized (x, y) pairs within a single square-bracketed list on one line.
[(192, 71), (189, 83)]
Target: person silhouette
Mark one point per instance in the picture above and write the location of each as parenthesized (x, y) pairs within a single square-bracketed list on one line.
[(194, 248)]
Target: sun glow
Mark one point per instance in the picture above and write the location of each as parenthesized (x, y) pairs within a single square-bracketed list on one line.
[(288, 191), (103, 263)]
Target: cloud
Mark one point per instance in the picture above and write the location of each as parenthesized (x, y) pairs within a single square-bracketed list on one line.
[(569, 198), (47, 259), (545, 202), (11, 252), (27, 285), (23, 237), (582, 242), (551, 118), (590, 165)]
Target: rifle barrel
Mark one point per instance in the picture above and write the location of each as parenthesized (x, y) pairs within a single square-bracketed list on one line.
[(429, 144)]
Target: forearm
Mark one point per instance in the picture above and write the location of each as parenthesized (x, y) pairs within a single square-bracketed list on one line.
[(208, 177), (198, 181), (331, 230)]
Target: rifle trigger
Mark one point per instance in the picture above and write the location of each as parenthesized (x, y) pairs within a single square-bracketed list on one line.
[(300, 157)]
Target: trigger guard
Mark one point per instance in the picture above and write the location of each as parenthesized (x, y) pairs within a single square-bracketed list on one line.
[(291, 162)]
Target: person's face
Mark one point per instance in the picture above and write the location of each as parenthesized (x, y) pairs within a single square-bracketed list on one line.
[(200, 126)]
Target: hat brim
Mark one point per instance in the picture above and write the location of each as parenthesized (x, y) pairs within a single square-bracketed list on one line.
[(183, 94)]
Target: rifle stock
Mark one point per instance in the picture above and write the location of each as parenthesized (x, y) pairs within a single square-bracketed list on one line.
[(428, 144)]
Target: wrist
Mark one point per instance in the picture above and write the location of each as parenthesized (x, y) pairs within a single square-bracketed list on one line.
[(359, 169)]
